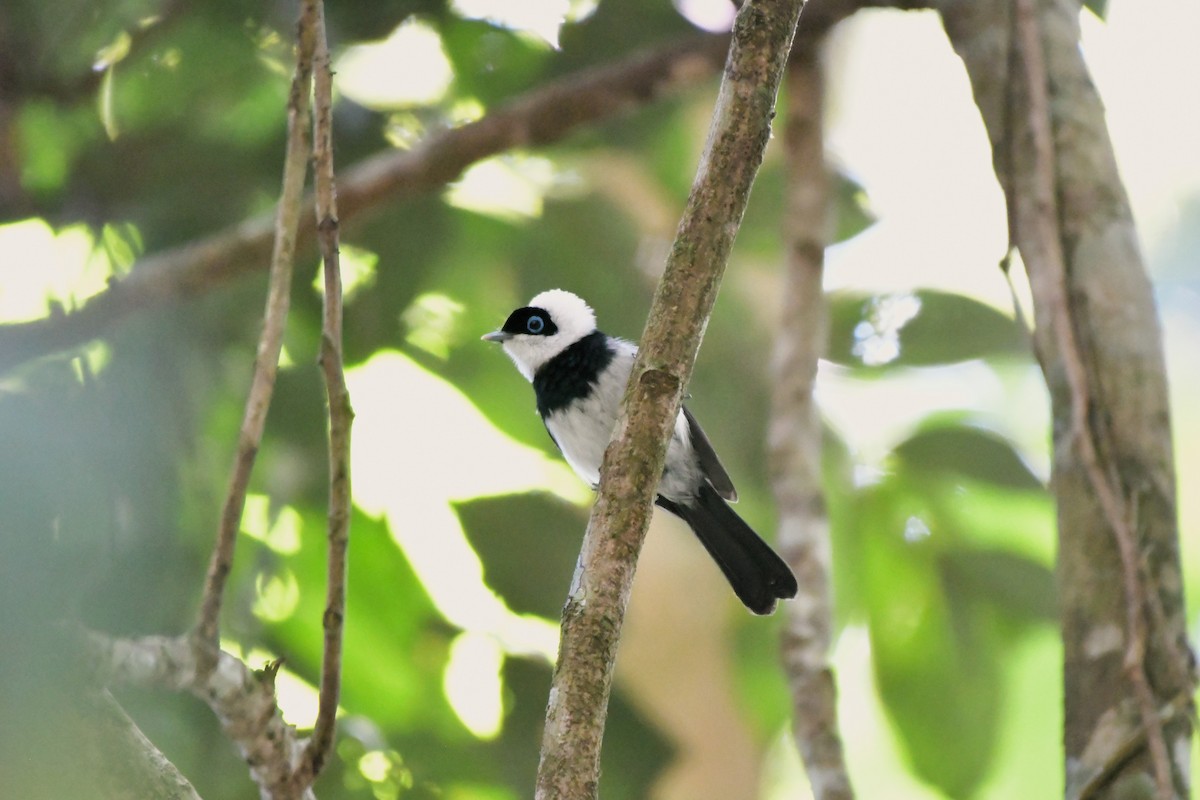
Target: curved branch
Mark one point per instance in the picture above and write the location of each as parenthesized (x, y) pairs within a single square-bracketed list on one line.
[(1044, 247), (537, 118)]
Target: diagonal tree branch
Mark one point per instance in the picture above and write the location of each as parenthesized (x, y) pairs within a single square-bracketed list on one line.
[(633, 462), (127, 764), (271, 341), (794, 437), (538, 118)]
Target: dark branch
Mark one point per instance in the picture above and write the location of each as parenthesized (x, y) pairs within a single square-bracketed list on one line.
[(540, 117)]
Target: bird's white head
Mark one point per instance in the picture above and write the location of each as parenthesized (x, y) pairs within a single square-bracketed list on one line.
[(534, 334)]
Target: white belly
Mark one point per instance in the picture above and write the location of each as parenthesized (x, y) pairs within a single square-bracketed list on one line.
[(584, 428)]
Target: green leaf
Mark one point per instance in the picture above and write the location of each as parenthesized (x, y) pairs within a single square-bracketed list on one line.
[(921, 328), (122, 244), (1017, 587), (936, 659), (490, 62), (937, 668), (1097, 7), (51, 139), (852, 208), (967, 451), (514, 532), (396, 644)]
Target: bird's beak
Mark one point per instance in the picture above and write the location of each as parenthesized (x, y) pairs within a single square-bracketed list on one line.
[(496, 336)]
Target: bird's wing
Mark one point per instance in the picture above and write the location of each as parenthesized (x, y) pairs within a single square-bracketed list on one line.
[(710, 465)]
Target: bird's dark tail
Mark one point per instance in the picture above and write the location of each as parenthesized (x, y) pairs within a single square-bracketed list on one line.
[(758, 576)]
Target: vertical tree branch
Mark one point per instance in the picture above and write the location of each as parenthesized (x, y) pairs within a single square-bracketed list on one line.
[(1098, 339), (270, 343), (1044, 245), (633, 463), (340, 413), (794, 438)]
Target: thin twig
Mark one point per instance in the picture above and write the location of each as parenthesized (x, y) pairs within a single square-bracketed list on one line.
[(1107, 490), (633, 462), (340, 413), (794, 436), (271, 341)]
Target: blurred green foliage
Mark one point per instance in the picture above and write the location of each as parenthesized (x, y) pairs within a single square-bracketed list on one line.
[(113, 469)]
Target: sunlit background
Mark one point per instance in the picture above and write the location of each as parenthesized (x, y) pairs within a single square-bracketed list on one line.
[(466, 521)]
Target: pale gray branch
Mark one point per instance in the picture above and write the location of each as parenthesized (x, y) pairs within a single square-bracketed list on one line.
[(126, 764), (242, 699), (794, 437)]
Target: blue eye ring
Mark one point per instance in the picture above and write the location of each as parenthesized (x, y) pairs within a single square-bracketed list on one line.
[(535, 325)]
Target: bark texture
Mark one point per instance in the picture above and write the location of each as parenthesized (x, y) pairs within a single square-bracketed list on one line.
[(633, 463), (1099, 342), (126, 764), (242, 699)]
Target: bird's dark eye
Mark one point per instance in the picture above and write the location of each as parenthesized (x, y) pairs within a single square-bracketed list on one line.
[(535, 325)]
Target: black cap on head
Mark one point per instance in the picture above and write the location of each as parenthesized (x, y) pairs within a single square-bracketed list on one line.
[(531, 321)]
